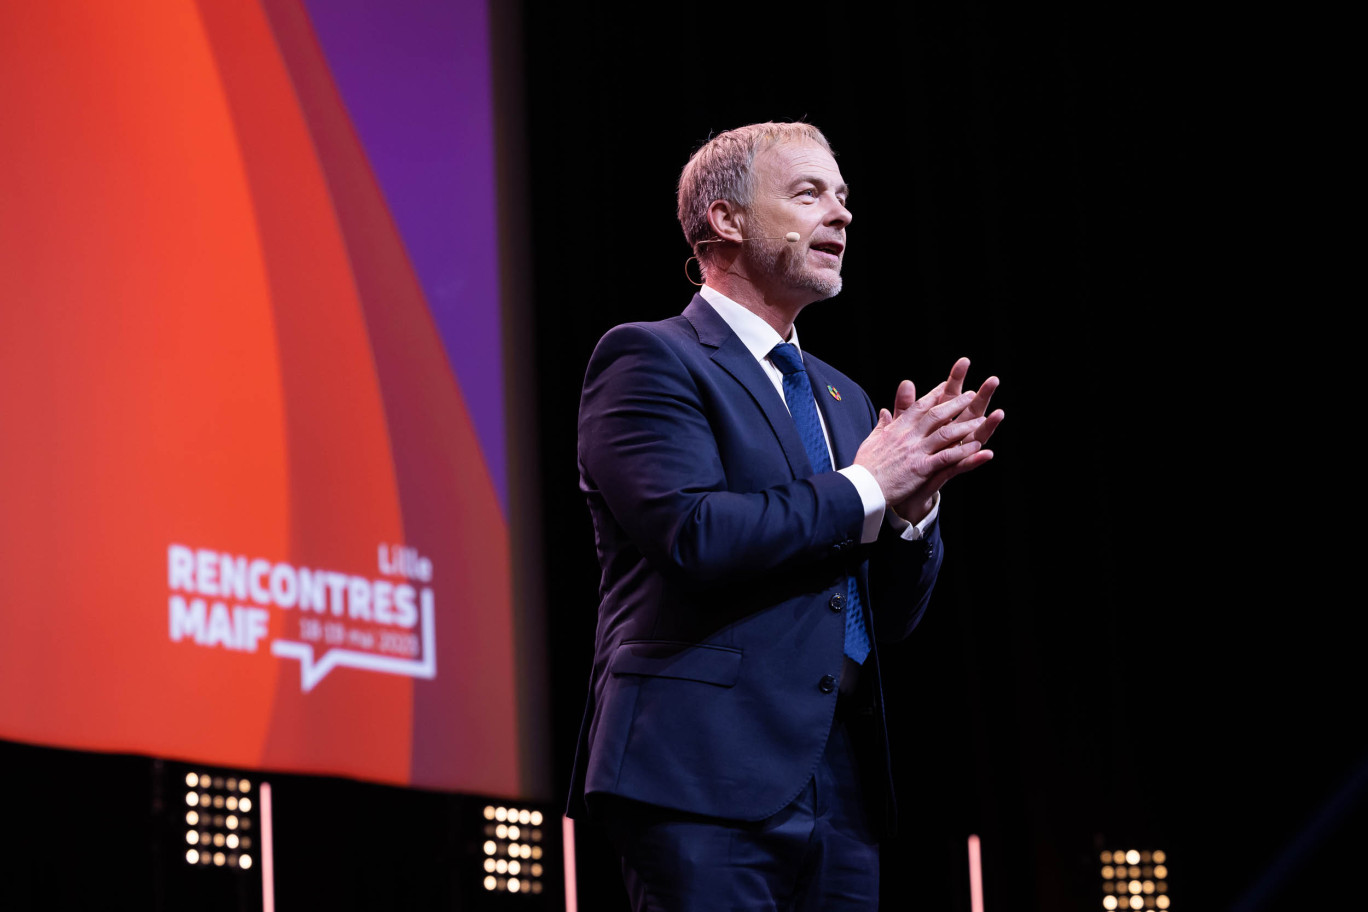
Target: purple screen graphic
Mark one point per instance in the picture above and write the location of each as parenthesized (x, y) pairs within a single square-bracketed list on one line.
[(415, 77)]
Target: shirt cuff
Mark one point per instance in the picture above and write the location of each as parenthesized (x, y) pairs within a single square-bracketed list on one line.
[(908, 531), (871, 496)]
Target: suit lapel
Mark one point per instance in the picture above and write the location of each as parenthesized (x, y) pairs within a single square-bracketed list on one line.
[(731, 354), (845, 437)]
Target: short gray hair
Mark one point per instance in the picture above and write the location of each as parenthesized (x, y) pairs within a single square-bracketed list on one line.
[(721, 170)]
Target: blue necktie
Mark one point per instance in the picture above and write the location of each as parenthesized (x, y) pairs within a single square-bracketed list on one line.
[(798, 395)]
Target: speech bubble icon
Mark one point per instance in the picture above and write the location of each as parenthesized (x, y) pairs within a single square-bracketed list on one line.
[(313, 668)]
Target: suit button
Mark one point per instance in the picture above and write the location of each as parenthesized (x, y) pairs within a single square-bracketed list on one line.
[(837, 602), (827, 684)]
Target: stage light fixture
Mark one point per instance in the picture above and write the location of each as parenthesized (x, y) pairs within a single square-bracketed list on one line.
[(1134, 880), (224, 832), (510, 836)]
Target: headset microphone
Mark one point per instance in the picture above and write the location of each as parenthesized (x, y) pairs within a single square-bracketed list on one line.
[(792, 237)]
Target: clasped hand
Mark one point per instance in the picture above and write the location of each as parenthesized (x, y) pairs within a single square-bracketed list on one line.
[(923, 443)]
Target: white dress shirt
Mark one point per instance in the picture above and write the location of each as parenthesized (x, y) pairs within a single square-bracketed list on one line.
[(760, 338)]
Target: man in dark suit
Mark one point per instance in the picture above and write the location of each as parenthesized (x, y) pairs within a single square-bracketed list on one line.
[(760, 527)]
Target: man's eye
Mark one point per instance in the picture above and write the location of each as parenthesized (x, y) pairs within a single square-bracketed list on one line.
[(812, 192)]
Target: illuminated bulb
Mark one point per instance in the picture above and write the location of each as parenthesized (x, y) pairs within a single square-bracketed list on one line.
[(1160, 871), (1162, 902), (220, 858), (536, 818), (218, 840), (501, 866), (1109, 902), (232, 822), (490, 848), (245, 805), (536, 852), (245, 861), (501, 813), (1159, 857), (513, 832), (489, 812), (192, 837), (490, 865), (231, 803), (192, 855), (204, 780), (536, 870), (191, 799), (1148, 886), (1132, 857), (244, 785), (1134, 886), (514, 867), (490, 883), (232, 840), (524, 817), (514, 849), (1106, 857), (191, 780), (501, 831), (1108, 871), (513, 885), (192, 817)]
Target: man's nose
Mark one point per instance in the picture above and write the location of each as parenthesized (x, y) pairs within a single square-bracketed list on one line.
[(839, 215)]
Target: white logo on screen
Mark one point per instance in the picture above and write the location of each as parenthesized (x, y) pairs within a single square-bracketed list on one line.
[(224, 600)]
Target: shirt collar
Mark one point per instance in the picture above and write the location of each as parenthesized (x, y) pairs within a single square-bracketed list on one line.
[(757, 335)]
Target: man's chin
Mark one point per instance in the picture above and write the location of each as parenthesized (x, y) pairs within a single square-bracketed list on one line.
[(824, 286)]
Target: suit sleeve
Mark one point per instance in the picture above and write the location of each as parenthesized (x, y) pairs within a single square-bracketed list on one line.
[(902, 574), (649, 450)]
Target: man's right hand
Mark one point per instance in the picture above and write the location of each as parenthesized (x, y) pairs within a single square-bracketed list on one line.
[(930, 440)]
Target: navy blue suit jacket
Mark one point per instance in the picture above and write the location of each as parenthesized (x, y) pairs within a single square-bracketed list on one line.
[(721, 551)]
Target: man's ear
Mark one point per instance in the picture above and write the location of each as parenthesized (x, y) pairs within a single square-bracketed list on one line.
[(727, 220)]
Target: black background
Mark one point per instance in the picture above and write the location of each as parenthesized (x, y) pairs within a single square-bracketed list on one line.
[(1140, 636)]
